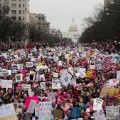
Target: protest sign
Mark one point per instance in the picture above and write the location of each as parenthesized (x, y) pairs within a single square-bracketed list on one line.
[(19, 77), (42, 77), (7, 112), (63, 71), (113, 82), (97, 104), (112, 112), (43, 85), (103, 92), (26, 86), (29, 64), (58, 114), (56, 85), (31, 76), (19, 66), (28, 99), (82, 72), (75, 112), (6, 83), (41, 67), (66, 78), (99, 115), (55, 74), (44, 111), (118, 75), (31, 106), (3, 72), (4, 55), (51, 96)]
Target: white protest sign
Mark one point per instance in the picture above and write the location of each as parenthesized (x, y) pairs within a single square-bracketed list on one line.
[(20, 66), (31, 106), (41, 67), (51, 96), (112, 112), (118, 75), (7, 112), (56, 85), (3, 72), (113, 82), (19, 77), (82, 72), (44, 111), (99, 115), (42, 77), (70, 69), (43, 85), (65, 79), (6, 83), (29, 64), (26, 86), (97, 104), (55, 74), (4, 55)]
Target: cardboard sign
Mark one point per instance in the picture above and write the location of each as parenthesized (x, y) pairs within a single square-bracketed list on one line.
[(112, 112), (19, 77), (58, 114), (65, 79), (29, 64), (6, 83), (44, 111), (32, 106), (103, 92), (7, 112), (75, 113), (97, 104), (28, 99)]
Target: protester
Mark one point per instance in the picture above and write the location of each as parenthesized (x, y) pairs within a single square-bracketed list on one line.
[(78, 81)]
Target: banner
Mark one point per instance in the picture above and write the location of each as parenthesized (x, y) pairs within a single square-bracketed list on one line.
[(6, 83), (7, 112), (112, 112), (44, 111), (97, 104)]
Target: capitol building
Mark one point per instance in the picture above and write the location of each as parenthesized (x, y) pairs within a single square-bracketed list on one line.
[(73, 33)]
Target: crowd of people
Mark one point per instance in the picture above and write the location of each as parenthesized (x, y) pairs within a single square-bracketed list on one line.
[(71, 77)]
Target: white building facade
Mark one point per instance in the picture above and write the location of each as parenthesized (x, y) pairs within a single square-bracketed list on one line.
[(18, 9)]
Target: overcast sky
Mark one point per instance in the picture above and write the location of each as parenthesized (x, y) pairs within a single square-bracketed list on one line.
[(61, 12)]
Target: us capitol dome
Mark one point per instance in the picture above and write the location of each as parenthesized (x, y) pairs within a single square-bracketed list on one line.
[(73, 32)]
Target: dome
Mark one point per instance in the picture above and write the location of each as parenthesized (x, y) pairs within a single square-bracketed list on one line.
[(73, 28)]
